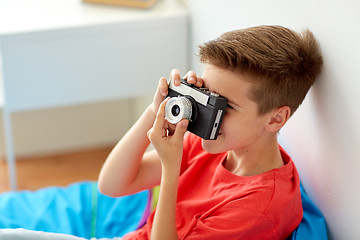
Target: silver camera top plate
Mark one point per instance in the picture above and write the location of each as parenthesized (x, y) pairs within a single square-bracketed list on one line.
[(187, 90)]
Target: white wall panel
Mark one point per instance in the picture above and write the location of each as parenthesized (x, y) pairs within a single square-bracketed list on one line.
[(323, 137)]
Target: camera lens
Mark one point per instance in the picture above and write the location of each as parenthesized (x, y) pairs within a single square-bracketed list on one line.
[(178, 108), (175, 110)]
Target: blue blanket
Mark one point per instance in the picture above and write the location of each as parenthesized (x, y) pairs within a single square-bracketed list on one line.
[(313, 224), (79, 209)]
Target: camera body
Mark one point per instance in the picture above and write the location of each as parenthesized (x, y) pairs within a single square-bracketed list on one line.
[(203, 109)]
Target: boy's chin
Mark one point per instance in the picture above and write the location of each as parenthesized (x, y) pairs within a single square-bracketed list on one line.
[(211, 146)]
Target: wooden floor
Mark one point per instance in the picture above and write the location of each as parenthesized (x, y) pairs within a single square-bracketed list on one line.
[(58, 170)]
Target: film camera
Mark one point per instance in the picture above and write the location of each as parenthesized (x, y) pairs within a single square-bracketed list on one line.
[(203, 109)]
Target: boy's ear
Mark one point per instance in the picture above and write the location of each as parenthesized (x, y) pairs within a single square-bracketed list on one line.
[(278, 118)]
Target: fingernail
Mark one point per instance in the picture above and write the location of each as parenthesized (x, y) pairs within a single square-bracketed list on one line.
[(184, 124), (177, 81)]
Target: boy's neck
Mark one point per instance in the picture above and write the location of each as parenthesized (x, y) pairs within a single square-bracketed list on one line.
[(254, 161)]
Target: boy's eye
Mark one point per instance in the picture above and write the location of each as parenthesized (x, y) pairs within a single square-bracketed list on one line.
[(229, 106)]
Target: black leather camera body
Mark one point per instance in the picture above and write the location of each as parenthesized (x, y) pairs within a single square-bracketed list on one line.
[(203, 109)]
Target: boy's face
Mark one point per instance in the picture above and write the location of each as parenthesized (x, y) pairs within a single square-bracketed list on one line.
[(242, 128)]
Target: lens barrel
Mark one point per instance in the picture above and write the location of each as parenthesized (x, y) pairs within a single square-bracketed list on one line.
[(178, 108)]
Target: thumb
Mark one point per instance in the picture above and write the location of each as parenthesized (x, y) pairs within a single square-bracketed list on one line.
[(181, 128)]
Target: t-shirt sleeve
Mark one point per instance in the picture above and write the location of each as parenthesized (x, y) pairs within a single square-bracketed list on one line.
[(233, 223)]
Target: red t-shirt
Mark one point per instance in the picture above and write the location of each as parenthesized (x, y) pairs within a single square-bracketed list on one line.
[(213, 203)]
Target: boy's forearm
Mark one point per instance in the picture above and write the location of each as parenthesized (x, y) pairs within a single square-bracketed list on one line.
[(169, 148), (164, 226), (124, 161)]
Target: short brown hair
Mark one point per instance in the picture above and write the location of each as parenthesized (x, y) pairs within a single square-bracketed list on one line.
[(282, 63)]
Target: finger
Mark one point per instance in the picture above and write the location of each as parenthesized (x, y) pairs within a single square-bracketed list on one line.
[(199, 82), (175, 76), (163, 87), (161, 92), (149, 134), (171, 128), (158, 129), (190, 77), (181, 129), (160, 117)]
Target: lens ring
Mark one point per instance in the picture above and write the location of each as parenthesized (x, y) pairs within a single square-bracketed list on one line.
[(175, 110), (184, 107)]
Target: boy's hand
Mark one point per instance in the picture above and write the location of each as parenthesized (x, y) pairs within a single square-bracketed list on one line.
[(168, 139), (168, 142), (162, 89), (161, 93), (192, 78)]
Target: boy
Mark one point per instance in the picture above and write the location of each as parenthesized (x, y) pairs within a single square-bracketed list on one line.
[(241, 185)]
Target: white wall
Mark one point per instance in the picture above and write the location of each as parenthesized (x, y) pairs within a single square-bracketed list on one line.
[(72, 128), (67, 129), (323, 137)]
